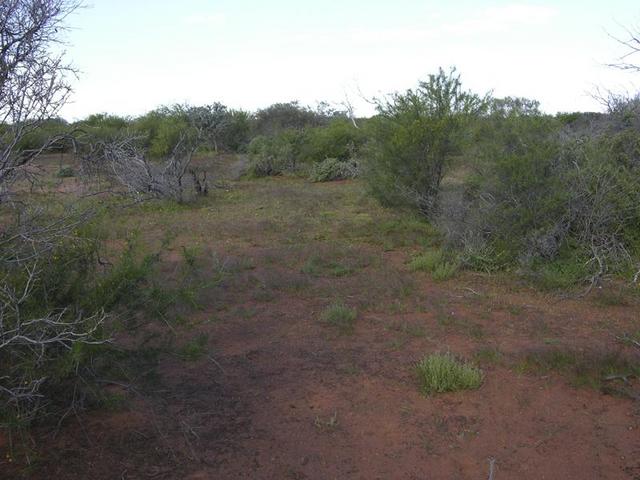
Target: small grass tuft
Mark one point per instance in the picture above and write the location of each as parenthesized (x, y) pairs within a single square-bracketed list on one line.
[(435, 262), (341, 316), (427, 261), (442, 372), (444, 271), (196, 348), (66, 172)]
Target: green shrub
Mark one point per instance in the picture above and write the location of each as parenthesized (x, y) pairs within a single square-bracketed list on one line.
[(560, 203), (102, 126), (339, 139), (442, 372), (333, 169), (36, 138), (275, 155), (61, 320), (280, 117), (162, 129), (415, 137)]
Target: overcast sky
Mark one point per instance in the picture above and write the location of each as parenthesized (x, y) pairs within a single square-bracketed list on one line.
[(135, 55)]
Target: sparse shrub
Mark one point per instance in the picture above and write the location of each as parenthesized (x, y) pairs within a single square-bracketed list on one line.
[(341, 316), (333, 169), (442, 372)]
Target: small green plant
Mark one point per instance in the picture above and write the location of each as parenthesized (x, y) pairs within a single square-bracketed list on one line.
[(442, 372), (190, 255), (427, 261), (435, 262), (196, 348), (66, 172), (341, 316), (444, 271)]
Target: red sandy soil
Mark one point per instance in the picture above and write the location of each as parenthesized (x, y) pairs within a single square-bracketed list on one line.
[(283, 397)]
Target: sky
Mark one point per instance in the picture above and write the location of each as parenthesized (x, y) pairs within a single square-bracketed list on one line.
[(135, 55)]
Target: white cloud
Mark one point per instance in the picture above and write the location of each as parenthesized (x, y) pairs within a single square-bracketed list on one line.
[(205, 19), (490, 20), (503, 18)]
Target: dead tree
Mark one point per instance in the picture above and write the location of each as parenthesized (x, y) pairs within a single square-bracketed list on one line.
[(33, 87), (632, 45), (33, 79), (143, 177)]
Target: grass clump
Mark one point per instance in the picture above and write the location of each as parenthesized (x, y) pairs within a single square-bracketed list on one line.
[(427, 261), (341, 316), (66, 172), (434, 262), (444, 271), (442, 372)]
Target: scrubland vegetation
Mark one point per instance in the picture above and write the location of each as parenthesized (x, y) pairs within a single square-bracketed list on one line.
[(126, 242)]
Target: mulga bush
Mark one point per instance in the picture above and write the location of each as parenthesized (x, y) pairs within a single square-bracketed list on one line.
[(559, 202), (328, 151), (103, 127), (415, 139), (339, 139), (161, 130), (276, 154)]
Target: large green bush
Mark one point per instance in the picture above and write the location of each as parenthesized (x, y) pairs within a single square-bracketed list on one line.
[(339, 139), (415, 137), (161, 130), (275, 154), (556, 199)]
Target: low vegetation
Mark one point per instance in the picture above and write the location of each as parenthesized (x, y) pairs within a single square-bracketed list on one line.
[(340, 316), (443, 372)]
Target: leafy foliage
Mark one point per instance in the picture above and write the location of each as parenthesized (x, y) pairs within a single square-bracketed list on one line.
[(414, 139)]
